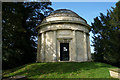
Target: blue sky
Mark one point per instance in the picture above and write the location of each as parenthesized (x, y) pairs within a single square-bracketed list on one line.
[(87, 10)]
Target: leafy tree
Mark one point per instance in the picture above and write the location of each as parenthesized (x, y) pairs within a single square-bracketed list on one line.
[(19, 21), (106, 30)]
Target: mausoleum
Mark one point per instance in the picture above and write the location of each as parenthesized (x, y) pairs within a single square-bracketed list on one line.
[(63, 36)]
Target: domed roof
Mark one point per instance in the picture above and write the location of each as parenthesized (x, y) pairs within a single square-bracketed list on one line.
[(63, 16), (59, 12)]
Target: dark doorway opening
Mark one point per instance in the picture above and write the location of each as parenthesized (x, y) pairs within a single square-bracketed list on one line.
[(64, 51)]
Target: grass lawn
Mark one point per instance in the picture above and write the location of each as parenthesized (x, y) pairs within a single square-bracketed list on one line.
[(62, 70)]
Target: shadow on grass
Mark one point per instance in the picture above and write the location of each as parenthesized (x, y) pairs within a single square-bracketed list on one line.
[(13, 70), (58, 67)]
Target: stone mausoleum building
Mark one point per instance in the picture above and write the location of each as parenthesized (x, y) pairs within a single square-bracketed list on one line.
[(63, 36)]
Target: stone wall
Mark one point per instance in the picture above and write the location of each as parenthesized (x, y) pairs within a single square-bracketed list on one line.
[(50, 37), (80, 46), (50, 43)]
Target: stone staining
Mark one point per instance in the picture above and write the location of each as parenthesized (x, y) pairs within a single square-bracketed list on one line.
[(63, 36)]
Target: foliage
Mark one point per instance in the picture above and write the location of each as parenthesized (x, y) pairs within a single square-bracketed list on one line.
[(62, 70), (19, 21), (106, 30)]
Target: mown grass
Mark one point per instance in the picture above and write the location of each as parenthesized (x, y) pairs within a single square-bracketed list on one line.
[(62, 70)]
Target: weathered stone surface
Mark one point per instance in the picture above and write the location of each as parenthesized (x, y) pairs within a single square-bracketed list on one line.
[(115, 73), (63, 27), (58, 28)]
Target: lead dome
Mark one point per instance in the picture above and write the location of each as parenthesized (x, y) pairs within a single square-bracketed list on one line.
[(64, 15)]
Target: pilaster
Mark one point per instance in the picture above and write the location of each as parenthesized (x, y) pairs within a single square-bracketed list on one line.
[(43, 47), (89, 51), (85, 47), (55, 47), (74, 54), (38, 48)]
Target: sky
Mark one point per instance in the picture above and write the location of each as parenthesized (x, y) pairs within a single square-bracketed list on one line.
[(87, 10)]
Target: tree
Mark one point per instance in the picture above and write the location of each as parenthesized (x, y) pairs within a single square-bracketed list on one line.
[(106, 30), (19, 21)]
